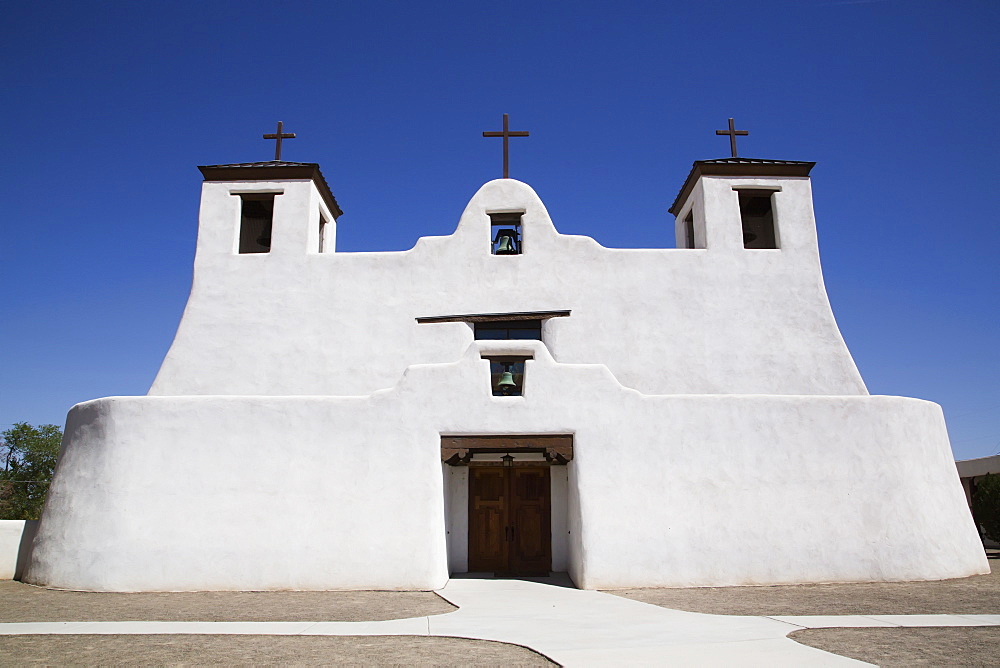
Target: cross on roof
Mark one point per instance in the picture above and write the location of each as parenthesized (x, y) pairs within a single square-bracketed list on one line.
[(279, 135), (732, 132), (506, 134)]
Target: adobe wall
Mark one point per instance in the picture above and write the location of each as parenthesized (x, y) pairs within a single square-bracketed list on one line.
[(721, 320), (189, 493)]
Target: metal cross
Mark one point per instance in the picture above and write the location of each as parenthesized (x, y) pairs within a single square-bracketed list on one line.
[(279, 135), (506, 134), (732, 132)]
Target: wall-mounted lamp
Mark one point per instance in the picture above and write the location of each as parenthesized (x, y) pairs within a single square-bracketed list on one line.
[(508, 460)]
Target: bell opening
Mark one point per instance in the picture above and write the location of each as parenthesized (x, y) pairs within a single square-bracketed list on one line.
[(506, 236), (507, 377)]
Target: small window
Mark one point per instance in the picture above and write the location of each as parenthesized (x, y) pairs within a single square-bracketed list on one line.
[(509, 329), (322, 233), (757, 215), (256, 218), (505, 233), (507, 376), (689, 230)]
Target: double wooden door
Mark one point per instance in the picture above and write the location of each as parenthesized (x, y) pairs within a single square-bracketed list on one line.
[(510, 520)]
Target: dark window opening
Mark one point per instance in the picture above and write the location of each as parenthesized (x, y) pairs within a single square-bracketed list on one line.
[(322, 233), (256, 217), (507, 376), (757, 215), (505, 233), (509, 329), (689, 230)]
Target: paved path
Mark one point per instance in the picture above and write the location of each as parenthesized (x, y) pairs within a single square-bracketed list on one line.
[(570, 626)]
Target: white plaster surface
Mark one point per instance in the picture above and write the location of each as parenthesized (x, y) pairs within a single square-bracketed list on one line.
[(16, 539), (347, 492), (722, 433), (10, 544), (664, 321)]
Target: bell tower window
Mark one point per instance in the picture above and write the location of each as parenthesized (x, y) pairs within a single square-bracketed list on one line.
[(322, 233), (256, 219), (757, 214), (505, 233), (689, 229), (507, 376)]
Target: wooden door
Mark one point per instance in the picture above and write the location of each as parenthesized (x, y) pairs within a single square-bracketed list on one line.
[(510, 520), (488, 529), (530, 521)]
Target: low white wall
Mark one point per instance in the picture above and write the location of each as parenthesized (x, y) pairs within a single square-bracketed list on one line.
[(156, 493), (15, 546)]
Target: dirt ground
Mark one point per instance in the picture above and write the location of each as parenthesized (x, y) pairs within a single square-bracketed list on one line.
[(882, 646), (206, 650), (936, 646), (899, 648), (979, 594), (24, 603)]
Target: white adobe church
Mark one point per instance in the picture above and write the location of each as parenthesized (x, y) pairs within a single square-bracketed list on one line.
[(506, 399)]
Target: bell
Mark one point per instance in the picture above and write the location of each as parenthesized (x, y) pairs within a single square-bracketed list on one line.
[(506, 383), (506, 242)]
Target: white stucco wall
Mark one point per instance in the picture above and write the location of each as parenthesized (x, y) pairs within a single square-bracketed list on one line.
[(722, 433), (670, 321), (16, 537), (236, 492)]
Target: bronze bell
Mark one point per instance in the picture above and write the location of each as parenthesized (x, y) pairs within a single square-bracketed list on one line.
[(506, 383), (506, 242)]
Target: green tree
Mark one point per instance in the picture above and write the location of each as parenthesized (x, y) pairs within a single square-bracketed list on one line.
[(28, 456), (986, 505)]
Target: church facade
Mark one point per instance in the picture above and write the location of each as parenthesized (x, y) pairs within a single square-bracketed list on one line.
[(509, 400)]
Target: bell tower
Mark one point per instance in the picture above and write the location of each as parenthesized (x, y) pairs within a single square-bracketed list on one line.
[(749, 203), (746, 203), (274, 208)]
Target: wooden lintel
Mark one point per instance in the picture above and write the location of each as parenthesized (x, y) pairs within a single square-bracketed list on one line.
[(457, 450), (495, 317)]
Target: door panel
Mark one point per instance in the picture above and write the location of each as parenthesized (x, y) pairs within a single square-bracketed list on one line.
[(488, 495), (510, 520), (531, 549)]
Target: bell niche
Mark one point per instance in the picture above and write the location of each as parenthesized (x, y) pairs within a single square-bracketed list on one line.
[(505, 233)]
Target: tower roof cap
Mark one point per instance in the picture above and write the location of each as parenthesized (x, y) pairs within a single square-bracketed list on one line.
[(274, 170), (738, 167)]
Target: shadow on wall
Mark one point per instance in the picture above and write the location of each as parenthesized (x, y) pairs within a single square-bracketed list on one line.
[(16, 539)]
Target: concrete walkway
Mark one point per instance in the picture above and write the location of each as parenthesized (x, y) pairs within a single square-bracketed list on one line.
[(569, 626)]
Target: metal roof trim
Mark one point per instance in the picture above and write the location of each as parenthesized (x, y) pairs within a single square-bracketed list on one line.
[(274, 170), (738, 167)]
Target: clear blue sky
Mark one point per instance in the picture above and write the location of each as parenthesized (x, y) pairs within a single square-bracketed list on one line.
[(108, 108)]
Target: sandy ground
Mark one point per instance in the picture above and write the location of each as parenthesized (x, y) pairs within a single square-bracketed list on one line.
[(201, 650), (882, 646), (909, 647), (979, 594), (24, 603)]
